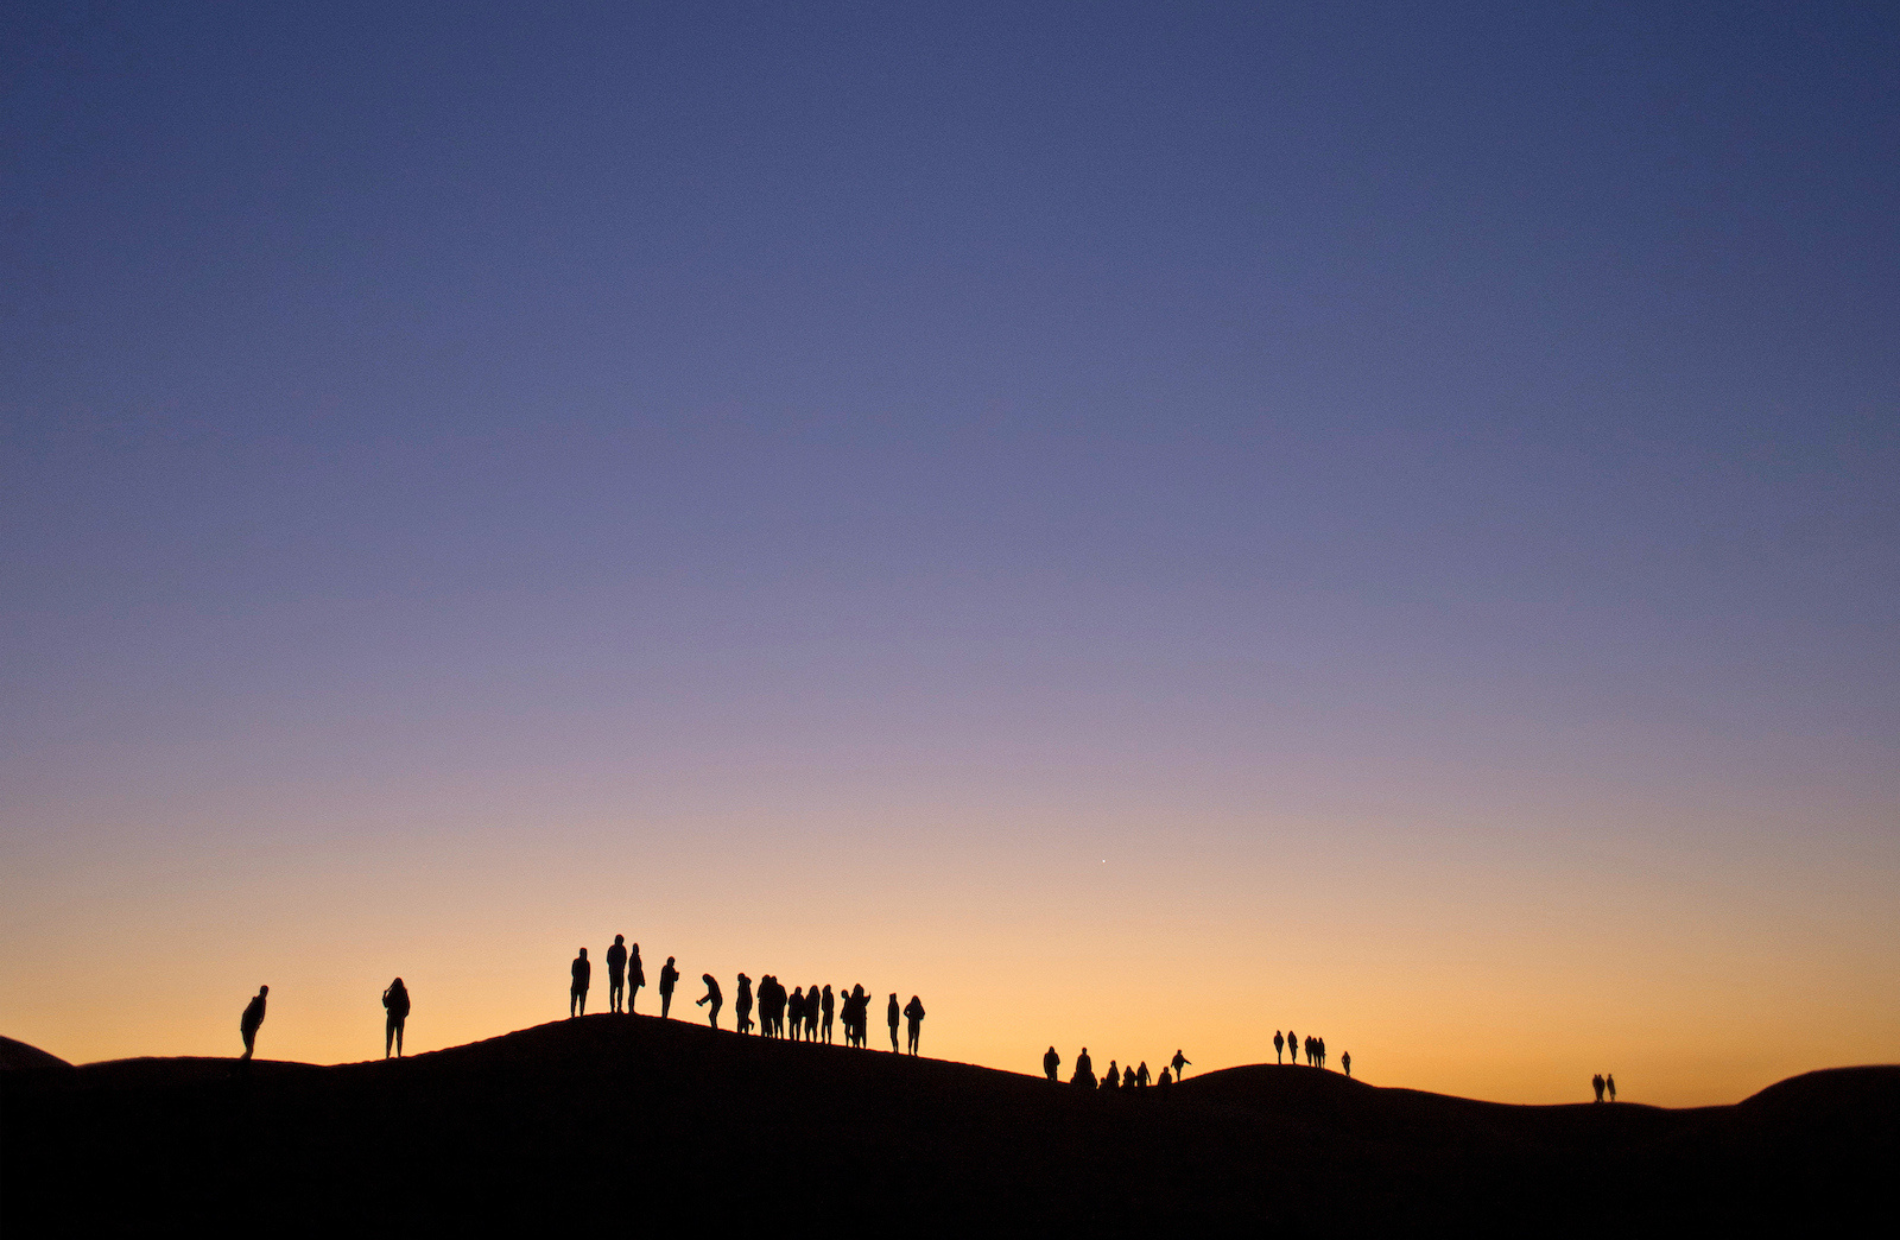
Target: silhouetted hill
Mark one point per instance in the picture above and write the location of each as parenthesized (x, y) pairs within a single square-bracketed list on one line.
[(19, 1057), (633, 1122)]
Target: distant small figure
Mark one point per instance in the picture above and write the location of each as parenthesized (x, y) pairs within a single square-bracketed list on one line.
[(1179, 1062), (617, 973), (1164, 1083), (1596, 1083), (796, 1004), (713, 997), (669, 976), (1278, 1043), (742, 1005), (577, 993), (1051, 1063), (828, 1005), (396, 1003), (1609, 1083), (1141, 1076), (891, 1015), (1345, 1061), (636, 977), (1084, 1071), (914, 1013), (252, 1020), (1112, 1079), (1292, 1048), (1319, 1046)]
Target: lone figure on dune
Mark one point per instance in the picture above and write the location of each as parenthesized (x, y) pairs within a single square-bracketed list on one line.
[(252, 1020), (914, 1013), (1051, 1063), (617, 973), (577, 993), (1345, 1061), (396, 1003), (713, 997), (668, 976)]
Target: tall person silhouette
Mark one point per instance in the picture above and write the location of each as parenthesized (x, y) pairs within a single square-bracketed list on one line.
[(617, 973), (1179, 1061), (396, 1004), (1609, 1083), (1051, 1063), (1596, 1083), (742, 1005), (1345, 1062), (582, 973), (828, 1007), (891, 1016), (253, 1020), (1278, 1043), (636, 978), (1084, 1071), (669, 976), (713, 997), (914, 1013)]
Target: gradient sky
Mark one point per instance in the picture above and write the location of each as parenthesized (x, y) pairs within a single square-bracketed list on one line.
[(1142, 524)]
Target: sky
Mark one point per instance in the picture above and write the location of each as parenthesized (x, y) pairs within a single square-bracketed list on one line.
[(1144, 525)]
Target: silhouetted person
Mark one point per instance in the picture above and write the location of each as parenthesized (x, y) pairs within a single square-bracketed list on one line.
[(1179, 1062), (891, 1015), (859, 1023), (577, 993), (1609, 1083), (811, 1013), (1112, 1079), (827, 1006), (1278, 1043), (1084, 1071), (742, 1005), (796, 1006), (1164, 1083), (636, 977), (1319, 1046), (252, 1020), (617, 973), (669, 976), (1293, 1048), (711, 996), (1345, 1061), (1141, 1076), (914, 1013), (1596, 1083), (1051, 1063), (396, 1003)]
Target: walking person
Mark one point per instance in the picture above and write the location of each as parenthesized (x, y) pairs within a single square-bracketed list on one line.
[(1609, 1083), (712, 996), (891, 1015), (669, 976), (617, 973), (914, 1013), (1345, 1061), (1179, 1062), (1051, 1063), (396, 1004), (577, 992), (252, 1020)]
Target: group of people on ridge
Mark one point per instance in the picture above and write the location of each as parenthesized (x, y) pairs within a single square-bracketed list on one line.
[(811, 1010), (1315, 1049), (1602, 1081), (1116, 1077)]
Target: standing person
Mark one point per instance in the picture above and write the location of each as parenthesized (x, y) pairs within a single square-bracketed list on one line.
[(1112, 1079), (828, 1005), (1051, 1063), (396, 1003), (1596, 1083), (1179, 1062), (858, 1018), (742, 1005), (811, 1013), (1164, 1083), (577, 992), (1345, 1061), (668, 976), (1609, 1083), (1084, 1071), (890, 1018), (797, 1005), (914, 1013), (636, 978), (1293, 1047), (1141, 1075), (617, 973), (712, 996), (1278, 1042), (253, 1020)]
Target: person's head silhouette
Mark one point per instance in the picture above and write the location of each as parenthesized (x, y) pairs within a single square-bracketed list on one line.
[(583, 953), (263, 990), (619, 938)]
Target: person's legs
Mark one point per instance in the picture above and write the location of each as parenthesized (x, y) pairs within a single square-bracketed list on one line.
[(666, 1004), (399, 1025), (250, 1043), (389, 1035)]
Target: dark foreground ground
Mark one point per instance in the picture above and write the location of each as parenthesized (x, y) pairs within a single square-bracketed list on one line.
[(625, 1123)]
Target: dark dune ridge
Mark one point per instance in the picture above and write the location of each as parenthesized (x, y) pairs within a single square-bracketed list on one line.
[(632, 1121)]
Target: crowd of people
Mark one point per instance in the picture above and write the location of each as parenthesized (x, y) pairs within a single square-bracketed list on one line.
[(1131, 1077), (1288, 1044)]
